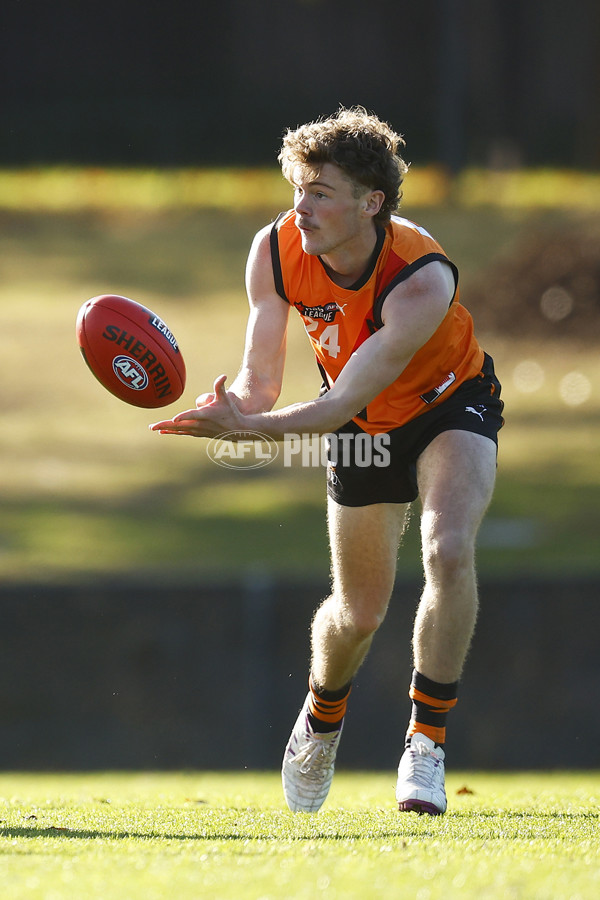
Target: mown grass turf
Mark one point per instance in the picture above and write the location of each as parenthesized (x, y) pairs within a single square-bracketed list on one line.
[(530, 836)]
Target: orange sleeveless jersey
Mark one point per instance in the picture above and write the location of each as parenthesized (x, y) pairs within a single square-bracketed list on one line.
[(338, 319)]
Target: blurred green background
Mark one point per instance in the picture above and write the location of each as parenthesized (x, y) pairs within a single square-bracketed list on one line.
[(86, 489)]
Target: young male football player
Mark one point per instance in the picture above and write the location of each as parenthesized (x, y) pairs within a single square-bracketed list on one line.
[(379, 300)]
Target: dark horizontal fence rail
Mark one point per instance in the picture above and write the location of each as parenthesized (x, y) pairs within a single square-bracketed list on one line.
[(135, 675)]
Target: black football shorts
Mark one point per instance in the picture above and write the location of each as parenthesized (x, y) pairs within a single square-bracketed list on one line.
[(383, 468)]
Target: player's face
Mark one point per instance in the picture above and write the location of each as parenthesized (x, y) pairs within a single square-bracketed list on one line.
[(328, 214)]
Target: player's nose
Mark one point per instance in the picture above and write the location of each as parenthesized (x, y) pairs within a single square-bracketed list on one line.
[(301, 204)]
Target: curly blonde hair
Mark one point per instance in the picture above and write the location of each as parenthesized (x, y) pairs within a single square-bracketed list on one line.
[(360, 144)]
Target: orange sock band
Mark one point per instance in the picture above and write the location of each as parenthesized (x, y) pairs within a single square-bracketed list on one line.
[(330, 711), (429, 712)]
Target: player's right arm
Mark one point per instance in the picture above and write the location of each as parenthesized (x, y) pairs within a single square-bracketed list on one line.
[(257, 386)]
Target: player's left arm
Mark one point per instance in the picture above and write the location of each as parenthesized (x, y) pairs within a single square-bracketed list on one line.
[(412, 312)]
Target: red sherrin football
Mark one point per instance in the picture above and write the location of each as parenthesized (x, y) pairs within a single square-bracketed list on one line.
[(131, 351)]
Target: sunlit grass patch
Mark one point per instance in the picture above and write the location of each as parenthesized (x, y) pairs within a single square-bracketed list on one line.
[(64, 189), (229, 835), (71, 189), (522, 188)]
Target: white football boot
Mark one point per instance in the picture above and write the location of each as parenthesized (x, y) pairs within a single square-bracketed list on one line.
[(420, 787), (308, 764)]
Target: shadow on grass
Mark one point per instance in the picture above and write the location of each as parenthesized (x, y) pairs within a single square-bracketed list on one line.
[(499, 824), (91, 834)]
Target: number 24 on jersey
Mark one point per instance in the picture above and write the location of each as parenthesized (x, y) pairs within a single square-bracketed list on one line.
[(328, 339)]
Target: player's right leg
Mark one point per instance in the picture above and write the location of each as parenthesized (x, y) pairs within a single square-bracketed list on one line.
[(364, 547), (364, 544)]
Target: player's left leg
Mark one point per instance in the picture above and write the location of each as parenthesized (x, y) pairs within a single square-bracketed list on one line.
[(456, 475)]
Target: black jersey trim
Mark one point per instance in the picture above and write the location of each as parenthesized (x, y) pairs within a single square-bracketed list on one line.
[(405, 273), (360, 282), (276, 258)]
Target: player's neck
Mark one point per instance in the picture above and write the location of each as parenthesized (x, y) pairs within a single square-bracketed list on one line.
[(346, 264)]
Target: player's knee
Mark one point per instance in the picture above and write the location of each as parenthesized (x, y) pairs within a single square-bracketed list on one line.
[(365, 624), (364, 618), (447, 552)]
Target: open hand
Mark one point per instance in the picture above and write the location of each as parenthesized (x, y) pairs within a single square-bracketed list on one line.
[(214, 415)]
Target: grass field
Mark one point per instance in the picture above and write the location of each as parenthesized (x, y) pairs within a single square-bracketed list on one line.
[(226, 837), (86, 489)]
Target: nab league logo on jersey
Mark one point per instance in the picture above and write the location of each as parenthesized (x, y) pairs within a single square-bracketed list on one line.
[(326, 312)]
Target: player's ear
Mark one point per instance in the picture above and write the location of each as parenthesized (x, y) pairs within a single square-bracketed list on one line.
[(372, 203)]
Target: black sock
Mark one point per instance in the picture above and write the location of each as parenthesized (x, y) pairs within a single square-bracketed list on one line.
[(326, 709), (431, 704)]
